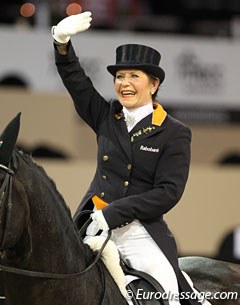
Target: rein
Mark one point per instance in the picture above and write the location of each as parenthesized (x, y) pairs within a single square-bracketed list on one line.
[(59, 276), (6, 196)]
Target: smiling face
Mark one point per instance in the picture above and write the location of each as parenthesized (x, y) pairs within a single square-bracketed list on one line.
[(134, 88)]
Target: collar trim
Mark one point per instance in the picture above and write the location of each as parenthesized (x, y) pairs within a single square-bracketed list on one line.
[(159, 114)]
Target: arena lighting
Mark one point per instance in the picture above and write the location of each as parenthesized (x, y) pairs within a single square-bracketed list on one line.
[(73, 9), (27, 9)]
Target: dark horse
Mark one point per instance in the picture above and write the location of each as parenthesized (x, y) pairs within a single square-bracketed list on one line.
[(44, 260)]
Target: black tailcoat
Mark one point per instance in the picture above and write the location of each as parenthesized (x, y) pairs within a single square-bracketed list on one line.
[(141, 175)]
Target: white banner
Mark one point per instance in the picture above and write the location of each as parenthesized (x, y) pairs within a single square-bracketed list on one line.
[(199, 71)]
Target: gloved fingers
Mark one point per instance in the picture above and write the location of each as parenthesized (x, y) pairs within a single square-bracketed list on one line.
[(75, 23), (82, 21), (94, 228), (86, 14), (99, 218)]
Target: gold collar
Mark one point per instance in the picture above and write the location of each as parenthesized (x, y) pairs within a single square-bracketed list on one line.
[(159, 114)]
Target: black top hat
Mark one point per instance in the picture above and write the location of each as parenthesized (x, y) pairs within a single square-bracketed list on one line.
[(140, 57)]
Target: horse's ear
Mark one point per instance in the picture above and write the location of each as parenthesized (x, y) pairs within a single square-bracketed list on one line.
[(8, 140)]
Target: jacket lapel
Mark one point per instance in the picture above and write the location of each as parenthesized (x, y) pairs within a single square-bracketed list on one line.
[(122, 134), (150, 125)]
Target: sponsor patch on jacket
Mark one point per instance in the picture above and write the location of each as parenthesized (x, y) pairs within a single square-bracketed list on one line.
[(150, 149)]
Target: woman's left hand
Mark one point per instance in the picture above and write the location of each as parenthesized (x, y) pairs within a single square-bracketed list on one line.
[(100, 220)]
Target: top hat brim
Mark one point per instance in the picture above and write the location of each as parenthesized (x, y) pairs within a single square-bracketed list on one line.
[(150, 69)]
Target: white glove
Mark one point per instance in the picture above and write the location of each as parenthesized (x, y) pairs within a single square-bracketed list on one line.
[(71, 25), (100, 220)]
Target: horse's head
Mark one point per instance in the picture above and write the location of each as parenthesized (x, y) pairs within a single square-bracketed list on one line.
[(13, 199)]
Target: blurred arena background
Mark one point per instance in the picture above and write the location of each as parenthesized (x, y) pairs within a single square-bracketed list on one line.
[(200, 45)]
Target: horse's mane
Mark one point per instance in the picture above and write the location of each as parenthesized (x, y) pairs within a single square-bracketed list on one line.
[(35, 166)]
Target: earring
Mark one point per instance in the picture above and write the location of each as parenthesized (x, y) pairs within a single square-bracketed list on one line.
[(152, 93)]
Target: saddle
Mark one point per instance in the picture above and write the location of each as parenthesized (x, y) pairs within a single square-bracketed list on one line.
[(143, 287)]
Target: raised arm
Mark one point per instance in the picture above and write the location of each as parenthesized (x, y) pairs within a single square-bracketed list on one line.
[(90, 105)]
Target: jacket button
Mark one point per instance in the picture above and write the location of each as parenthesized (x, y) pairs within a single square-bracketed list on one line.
[(102, 194), (105, 158), (126, 183), (104, 177), (129, 166)]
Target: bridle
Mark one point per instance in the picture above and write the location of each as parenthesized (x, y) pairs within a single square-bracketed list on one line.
[(6, 199)]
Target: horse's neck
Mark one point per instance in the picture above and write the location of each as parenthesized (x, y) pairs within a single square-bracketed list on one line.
[(53, 245), (55, 242)]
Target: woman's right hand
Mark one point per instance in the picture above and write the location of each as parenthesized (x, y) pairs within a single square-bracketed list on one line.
[(71, 25)]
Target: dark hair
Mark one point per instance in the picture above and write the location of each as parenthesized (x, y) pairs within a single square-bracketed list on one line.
[(154, 78)]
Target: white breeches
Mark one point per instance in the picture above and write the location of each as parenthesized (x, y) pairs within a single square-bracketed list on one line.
[(139, 250)]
